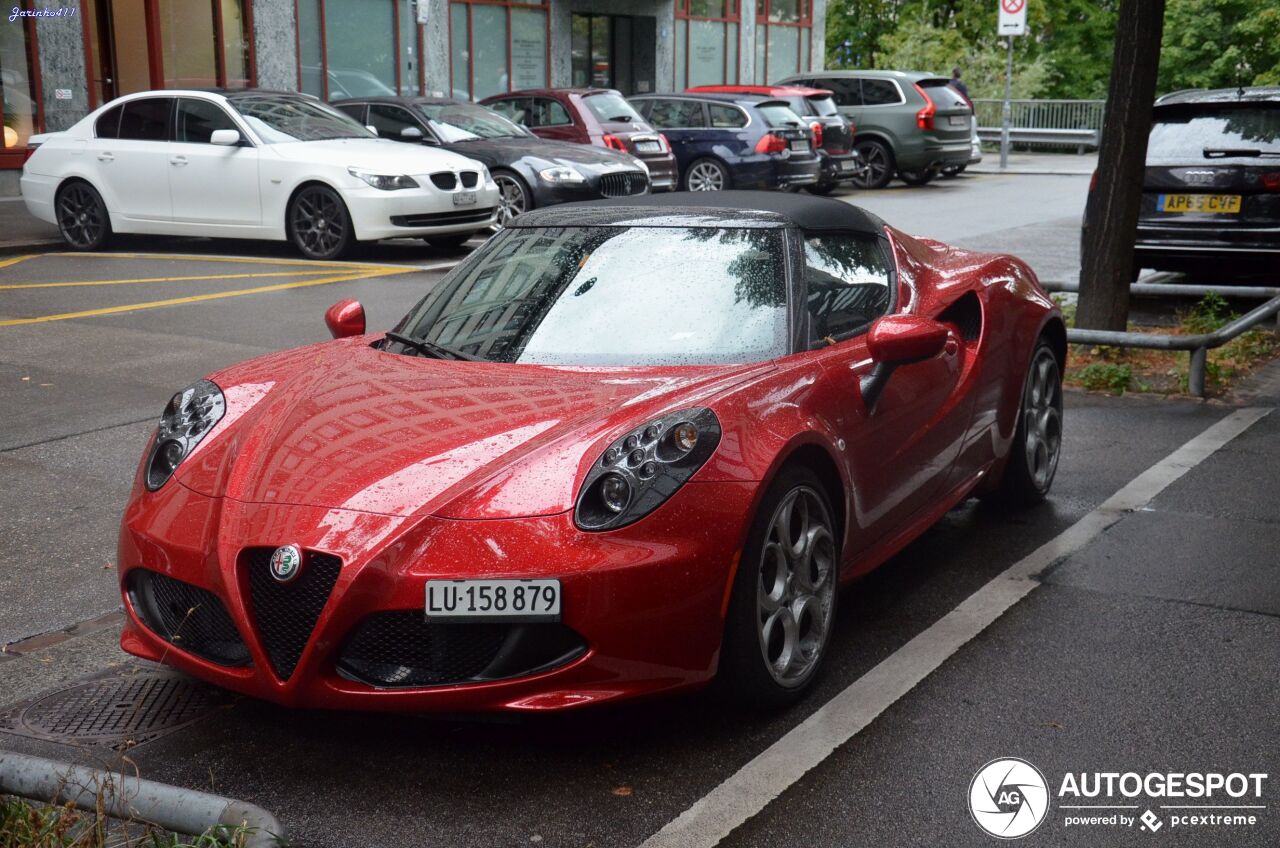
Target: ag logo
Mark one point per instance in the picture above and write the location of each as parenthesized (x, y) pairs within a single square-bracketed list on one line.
[(286, 563), (1008, 798)]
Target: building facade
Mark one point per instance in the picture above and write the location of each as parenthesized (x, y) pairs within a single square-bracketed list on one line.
[(60, 59)]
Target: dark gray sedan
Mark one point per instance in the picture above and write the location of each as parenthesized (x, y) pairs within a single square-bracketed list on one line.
[(531, 172)]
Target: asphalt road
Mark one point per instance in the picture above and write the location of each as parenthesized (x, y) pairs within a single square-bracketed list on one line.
[(1151, 646)]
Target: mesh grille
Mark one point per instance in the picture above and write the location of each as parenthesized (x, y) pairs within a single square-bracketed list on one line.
[(286, 613), (445, 180), (187, 616), (469, 179), (401, 649), (621, 185)]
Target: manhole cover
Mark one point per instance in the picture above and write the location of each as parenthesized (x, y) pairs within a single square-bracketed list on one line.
[(115, 710)]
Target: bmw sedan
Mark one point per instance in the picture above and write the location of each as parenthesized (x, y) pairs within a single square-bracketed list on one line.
[(530, 172), (253, 165)]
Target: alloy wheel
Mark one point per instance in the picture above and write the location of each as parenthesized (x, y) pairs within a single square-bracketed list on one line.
[(319, 222), (795, 591), (705, 176), (511, 199), (877, 169), (1042, 419), (81, 216)]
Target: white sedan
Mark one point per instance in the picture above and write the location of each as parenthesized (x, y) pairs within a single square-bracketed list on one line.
[(249, 164)]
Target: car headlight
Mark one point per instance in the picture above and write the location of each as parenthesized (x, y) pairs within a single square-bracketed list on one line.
[(386, 182), (640, 471), (562, 174), (187, 418), (486, 177)]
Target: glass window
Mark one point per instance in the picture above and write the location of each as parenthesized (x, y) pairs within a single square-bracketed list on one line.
[(528, 48), (549, 113), (706, 53), (459, 52), (463, 122), (311, 51), (603, 295), (108, 123), (362, 47), (509, 40), (880, 92), (281, 118), (610, 108), (390, 121), (355, 110), (197, 119), (17, 94), (1186, 132), (823, 107), (235, 44), (726, 116), (516, 109), (489, 39), (676, 114), (146, 119), (783, 44), (847, 284), (848, 91), (779, 115), (187, 41)]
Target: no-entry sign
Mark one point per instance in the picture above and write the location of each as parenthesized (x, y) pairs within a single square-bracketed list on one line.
[(1013, 17)]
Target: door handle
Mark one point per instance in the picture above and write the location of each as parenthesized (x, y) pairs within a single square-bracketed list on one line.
[(106, 157), (178, 161)]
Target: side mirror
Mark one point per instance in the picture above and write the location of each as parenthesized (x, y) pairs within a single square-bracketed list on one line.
[(225, 138), (903, 339), (344, 319), (411, 134)]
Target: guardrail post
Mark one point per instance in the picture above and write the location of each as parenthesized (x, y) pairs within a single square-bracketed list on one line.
[(1195, 375)]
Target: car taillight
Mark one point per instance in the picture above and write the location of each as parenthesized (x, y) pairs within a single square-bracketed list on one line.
[(924, 118), (1271, 181), (771, 143), (817, 133), (26, 154), (666, 145), (614, 143), (1093, 181)]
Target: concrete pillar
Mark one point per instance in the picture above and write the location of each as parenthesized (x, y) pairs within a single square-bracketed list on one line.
[(819, 36), (275, 44), (747, 44), (62, 69), (435, 47)]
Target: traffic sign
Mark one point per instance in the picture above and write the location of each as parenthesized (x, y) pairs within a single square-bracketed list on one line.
[(1013, 17)]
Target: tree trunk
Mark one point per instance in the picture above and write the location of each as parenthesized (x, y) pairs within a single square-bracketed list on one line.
[(1107, 262)]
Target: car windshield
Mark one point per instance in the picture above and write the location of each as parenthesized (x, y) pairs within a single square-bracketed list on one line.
[(282, 119), (611, 108), (614, 296), (464, 122), (1185, 132)]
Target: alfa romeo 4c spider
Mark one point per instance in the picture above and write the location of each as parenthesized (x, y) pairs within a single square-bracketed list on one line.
[(623, 448)]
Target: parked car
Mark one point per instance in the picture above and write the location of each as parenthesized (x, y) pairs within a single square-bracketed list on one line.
[(725, 141), (248, 164), (624, 448), (832, 132), (975, 143), (1211, 193), (909, 123), (596, 116), (530, 172)]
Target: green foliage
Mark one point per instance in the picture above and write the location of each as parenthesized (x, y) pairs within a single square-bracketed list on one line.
[(1220, 43), (1106, 377), (27, 825), (1209, 313)]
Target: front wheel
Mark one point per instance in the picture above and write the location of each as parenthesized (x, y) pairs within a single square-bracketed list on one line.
[(82, 217), (879, 164), (1037, 444), (318, 223), (784, 595), (514, 199), (706, 175)]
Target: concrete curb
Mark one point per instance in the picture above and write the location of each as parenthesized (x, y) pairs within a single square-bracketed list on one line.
[(12, 248)]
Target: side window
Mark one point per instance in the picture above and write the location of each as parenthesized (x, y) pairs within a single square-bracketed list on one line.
[(515, 109), (726, 116), (879, 92), (355, 110), (108, 123), (390, 120), (550, 113), (847, 91), (197, 119), (677, 114), (847, 280), (146, 119)]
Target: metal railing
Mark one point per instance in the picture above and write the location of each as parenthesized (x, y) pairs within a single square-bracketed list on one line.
[(1197, 345), (1074, 123)]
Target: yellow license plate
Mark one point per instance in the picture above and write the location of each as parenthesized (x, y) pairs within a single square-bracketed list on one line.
[(1214, 204)]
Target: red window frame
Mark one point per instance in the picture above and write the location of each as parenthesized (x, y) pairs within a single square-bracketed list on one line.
[(471, 65), (763, 10), (733, 15)]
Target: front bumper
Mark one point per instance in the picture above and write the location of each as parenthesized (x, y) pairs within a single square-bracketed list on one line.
[(415, 213), (647, 600)]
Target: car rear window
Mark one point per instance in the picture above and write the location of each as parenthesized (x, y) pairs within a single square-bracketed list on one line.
[(146, 119), (1186, 131), (611, 108), (823, 107), (942, 94), (880, 92), (108, 123), (779, 114)]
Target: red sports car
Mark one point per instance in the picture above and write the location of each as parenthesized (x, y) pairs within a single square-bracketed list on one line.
[(625, 447)]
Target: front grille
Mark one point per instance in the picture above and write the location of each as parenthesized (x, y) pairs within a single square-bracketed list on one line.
[(445, 180), (401, 649), (441, 219), (469, 179), (286, 613), (622, 185), (187, 617)]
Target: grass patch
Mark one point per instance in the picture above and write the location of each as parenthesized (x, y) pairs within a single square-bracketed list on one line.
[(27, 825)]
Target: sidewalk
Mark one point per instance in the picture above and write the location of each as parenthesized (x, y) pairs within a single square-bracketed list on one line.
[(19, 232), (1058, 164)]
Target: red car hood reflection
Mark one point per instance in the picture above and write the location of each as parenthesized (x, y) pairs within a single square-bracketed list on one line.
[(344, 426)]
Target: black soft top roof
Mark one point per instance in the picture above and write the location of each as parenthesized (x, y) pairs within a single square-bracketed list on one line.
[(720, 208)]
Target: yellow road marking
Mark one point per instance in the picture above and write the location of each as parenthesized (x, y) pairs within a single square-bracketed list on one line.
[(199, 257), (198, 298), (10, 286), (14, 260)]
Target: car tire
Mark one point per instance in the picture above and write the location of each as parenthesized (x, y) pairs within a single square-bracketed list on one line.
[(917, 178), (821, 189), (706, 175), (771, 656), (952, 171), (1037, 442), (879, 164), (82, 216), (449, 242), (318, 223), (514, 197)]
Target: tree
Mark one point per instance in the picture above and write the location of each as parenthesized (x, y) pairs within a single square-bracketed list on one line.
[(1113, 221), (1219, 44)]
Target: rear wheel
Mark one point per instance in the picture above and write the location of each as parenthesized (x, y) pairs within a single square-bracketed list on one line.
[(784, 595), (822, 189), (318, 223), (917, 178), (82, 216), (879, 164), (706, 175), (1037, 444)]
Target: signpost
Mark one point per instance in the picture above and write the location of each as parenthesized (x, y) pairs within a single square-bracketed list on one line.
[(1013, 21)]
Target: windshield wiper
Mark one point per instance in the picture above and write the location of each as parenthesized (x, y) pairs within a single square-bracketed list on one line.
[(437, 351), (1242, 152)]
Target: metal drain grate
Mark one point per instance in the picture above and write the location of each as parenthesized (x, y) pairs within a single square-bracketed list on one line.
[(118, 710)]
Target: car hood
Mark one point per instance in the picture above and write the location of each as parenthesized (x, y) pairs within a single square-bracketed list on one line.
[(376, 154), (345, 426), (539, 153)]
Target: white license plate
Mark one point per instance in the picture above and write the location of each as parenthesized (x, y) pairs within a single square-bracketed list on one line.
[(800, 146), (493, 600), (648, 147), (848, 165), (464, 198), (958, 120)]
